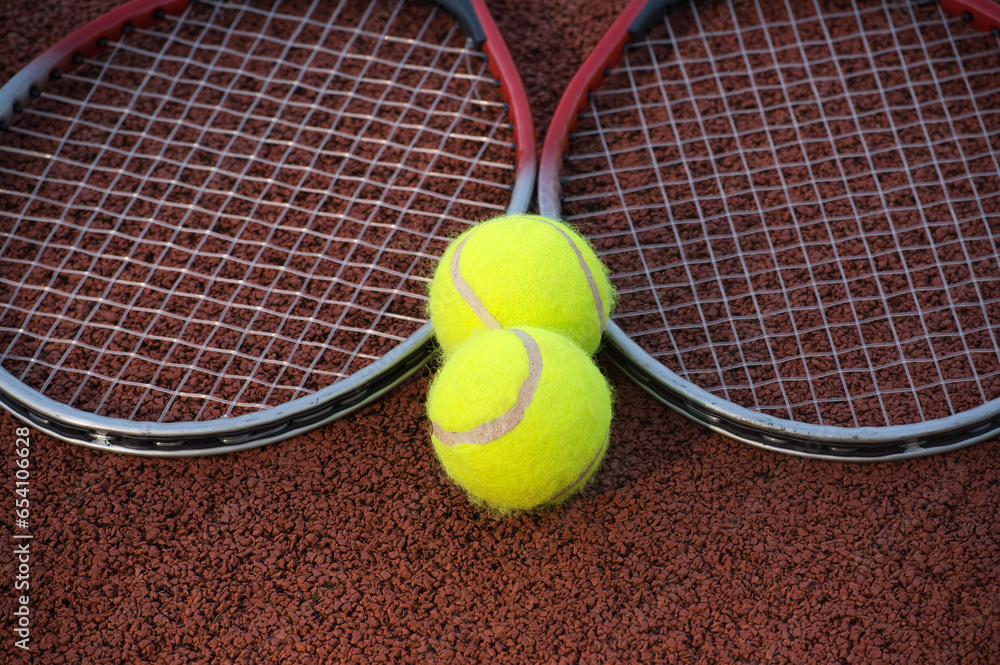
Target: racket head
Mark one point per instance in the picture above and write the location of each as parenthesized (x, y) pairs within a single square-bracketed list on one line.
[(597, 129), (359, 139)]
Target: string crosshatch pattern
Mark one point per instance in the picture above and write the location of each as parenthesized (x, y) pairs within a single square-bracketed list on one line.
[(799, 204), (218, 220)]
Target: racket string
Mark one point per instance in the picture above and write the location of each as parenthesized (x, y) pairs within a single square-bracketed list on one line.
[(966, 258), (854, 213), (294, 245), (172, 351), (725, 115), (451, 73), (95, 210), (776, 268)]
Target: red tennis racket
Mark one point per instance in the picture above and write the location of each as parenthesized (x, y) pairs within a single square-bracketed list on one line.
[(217, 219), (800, 206)]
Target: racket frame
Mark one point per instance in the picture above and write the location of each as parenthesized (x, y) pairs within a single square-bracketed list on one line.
[(226, 435), (848, 444)]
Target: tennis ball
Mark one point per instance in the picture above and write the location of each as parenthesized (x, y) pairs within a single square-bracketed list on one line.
[(520, 418), (520, 270)]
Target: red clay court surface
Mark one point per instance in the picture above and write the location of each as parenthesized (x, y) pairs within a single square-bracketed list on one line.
[(349, 544)]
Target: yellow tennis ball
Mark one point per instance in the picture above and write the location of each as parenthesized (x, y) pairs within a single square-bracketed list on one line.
[(520, 270), (520, 418)]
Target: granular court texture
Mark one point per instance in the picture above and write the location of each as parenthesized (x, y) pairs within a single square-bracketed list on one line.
[(349, 545)]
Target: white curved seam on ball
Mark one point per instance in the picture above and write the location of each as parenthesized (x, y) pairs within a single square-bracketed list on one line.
[(467, 294), (591, 282), (600, 451), (505, 423)]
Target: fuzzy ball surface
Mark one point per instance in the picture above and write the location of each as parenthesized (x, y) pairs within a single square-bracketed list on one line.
[(520, 270), (520, 418)]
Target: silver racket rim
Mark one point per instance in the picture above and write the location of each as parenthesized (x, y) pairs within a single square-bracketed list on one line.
[(281, 422), (828, 442), (862, 444), (217, 437)]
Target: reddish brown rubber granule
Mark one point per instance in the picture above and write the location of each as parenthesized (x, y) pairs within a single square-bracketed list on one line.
[(349, 545)]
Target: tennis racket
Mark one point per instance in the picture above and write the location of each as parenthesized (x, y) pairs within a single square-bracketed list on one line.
[(218, 219), (799, 203)]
